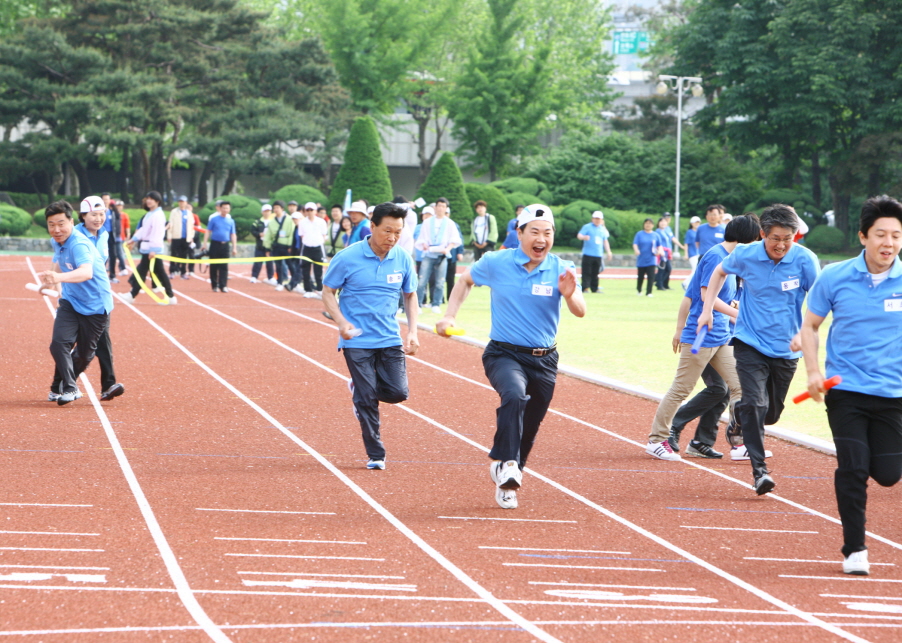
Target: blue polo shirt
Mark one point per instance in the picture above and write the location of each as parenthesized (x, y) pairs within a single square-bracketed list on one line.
[(370, 291), (708, 237), (91, 297), (594, 245), (221, 228), (101, 241), (770, 306), (512, 240), (689, 240), (721, 333), (647, 243), (864, 338), (526, 306), (666, 236)]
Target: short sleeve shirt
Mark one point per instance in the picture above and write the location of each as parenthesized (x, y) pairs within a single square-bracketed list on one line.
[(690, 242), (594, 245), (221, 228), (370, 291), (865, 338), (648, 243), (666, 237), (708, 237), (100, 242), (721, 332), (525, 306), (91, 297)]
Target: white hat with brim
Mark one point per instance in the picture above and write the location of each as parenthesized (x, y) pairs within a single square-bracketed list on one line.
[(598, 214), (91, 203), (429, 210), (695, 220), (358, 206), (310, 205), (265, 207), (297, 214), (535, 212)]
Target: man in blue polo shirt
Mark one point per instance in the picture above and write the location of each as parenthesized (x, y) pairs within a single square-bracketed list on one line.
[(595, 246), (220, 232), (776, 275), (865, 409), (709, 235), (85, 304), (520, 362), (371, 275)]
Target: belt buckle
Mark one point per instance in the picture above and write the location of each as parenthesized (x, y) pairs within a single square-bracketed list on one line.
[(538, 352)]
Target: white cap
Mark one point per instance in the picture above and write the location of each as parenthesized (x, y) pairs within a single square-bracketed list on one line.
[(91, 203), (297, 214), (358, 206), (695, 220), (429, 210), (535, 212), (265, 207), (598, 214), (310, 205), (727, 216), (370, 209)]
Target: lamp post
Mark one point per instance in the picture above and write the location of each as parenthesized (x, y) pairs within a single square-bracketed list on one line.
[(679, 84)]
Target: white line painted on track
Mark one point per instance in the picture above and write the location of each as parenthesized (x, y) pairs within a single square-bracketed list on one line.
[(610, 514), (858, 579), (309, 583), (775, 531), (433, 553), (52, 567), (292, 540), (571, 551), (36, 504), (502, 519), (266, 511), (566, 584), (619, 569), (48, 533), (312, 557), (168, 556), (324, 575), (876, 598), (806, 560), (44, 549)]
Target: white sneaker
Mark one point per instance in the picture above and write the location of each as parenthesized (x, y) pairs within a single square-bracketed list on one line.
[(741, 453), (857, 564), (506, 475), (437, 310), (280, 287), (173, 300), (158, 290), (376, 464), (506, 498), (639, 293), (254, 280), (124, 273), (649, 295), (662, 451), (271, 281), (65, 398), (223, 289), (127, 298), (317, 294), (308, 295)]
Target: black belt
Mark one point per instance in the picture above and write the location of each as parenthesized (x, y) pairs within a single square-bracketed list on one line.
[(537, 352)]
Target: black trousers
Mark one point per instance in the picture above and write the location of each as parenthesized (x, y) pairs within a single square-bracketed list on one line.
[(104, 355), (662, 278), (219, 272), (142, 269), (765, 382), (379, 375), (179, 248), (526, 385), (75, 338), (478, 252), (591, 267), (260, 251), (867, 432), (314, 253), (709, 404), (450, 277), (115, 252), (646, 271)]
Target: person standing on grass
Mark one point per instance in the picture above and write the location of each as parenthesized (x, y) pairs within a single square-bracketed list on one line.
[(647, 246), (691, 248), (715, 350), (521, 359), (312, 230), (864, 295), (483, 231), (220, 233), (149, 237), (456, 254), (665, 236), (594, 236), (776, 275), (180, 232), (257, 231), (709, 235), (438, 237), (370, 276), (85, 304)]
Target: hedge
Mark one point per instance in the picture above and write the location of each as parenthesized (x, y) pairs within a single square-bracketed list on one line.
[(302, 194), (14, 221), (496, 203), (446, 181), (244, 210), (363, 171), (526, 185), (825, 239), (522, 198)]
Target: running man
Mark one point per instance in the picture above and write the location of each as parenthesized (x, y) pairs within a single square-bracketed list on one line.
[(371, 275), (527, 285), (776, 275), (865, 409)]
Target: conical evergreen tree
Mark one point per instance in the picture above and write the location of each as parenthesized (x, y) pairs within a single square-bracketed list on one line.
[(363, 171), (445, 180)]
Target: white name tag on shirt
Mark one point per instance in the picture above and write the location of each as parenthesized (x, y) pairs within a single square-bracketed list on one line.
[(598, 240), (395, 278), (792, 284), (282, 233), (542, 291), (892, 305), (718, 235)]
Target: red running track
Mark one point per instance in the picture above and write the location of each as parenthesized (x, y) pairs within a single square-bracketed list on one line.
[(224, 497)]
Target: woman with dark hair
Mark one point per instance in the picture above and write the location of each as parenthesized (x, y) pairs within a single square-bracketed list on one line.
[(347, 228), (115, 241), (647, 246), (149, 237)]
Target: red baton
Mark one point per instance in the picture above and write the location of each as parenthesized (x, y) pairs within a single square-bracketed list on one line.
[(828, 384)]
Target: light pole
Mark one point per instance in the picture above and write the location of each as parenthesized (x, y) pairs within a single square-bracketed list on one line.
[(679, 85)]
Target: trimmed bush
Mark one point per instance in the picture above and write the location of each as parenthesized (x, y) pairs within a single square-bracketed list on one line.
[(573, 217), (623, 225), (522, 198), (13, 221), (244, 210), (363, 171), (825, 239), (302, 194), (495, 202), (446, 181), (801, 201), (526, 185)]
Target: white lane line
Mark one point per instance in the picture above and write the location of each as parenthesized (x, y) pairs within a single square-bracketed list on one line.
[(43, 549), (292, 540), (311, 557), (309, 583), (168, 556), (325, 575), (572, 551), (774, 531), (433, 553), (52, 567), (37, 504), (845, 578), (48, 533), (806, 560), (876, 598), (619, 569), (266, 511), (502, 519), (610, 514), (566, 584)]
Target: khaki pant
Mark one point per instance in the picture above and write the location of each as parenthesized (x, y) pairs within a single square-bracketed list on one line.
[(688, 371)]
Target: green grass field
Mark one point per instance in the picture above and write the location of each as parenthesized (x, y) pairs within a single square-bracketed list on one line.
[(628, 338)]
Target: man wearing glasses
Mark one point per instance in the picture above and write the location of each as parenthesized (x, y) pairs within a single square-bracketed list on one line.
[(776, 275)]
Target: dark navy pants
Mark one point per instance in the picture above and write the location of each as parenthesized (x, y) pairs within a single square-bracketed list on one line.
[(74, 342), (526, 385)]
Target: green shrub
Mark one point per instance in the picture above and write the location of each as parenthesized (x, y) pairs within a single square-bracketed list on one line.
[(824, 239), (14, 221), (525, 185), (496, 203), (571, 218), (623, 225), (244, 210), (802, 202), (446, 181), (522, 198), (302, 194), (28, 202), (363, 171)]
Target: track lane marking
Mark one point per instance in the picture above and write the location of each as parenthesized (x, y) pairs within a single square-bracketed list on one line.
[(48, 533), (379, 560), (572, 551), (805, 560), (290, 540), (44, 549), (773, 531), (325, 575), (619, 569), (656, 587), (502, 519), (41, 504), (183, 589), (262, 511)]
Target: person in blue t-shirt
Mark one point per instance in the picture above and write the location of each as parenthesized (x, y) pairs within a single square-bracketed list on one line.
[(864, 295), (594, 236), (512, 240), (647, 246), (528, 284), (665, 265), (776, 275), (371, 275), (709, 235), (691, 248), (84, 305), (715, 349)]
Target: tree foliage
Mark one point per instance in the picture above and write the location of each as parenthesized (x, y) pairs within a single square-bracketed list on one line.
[(363, 171), (445, 180)]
